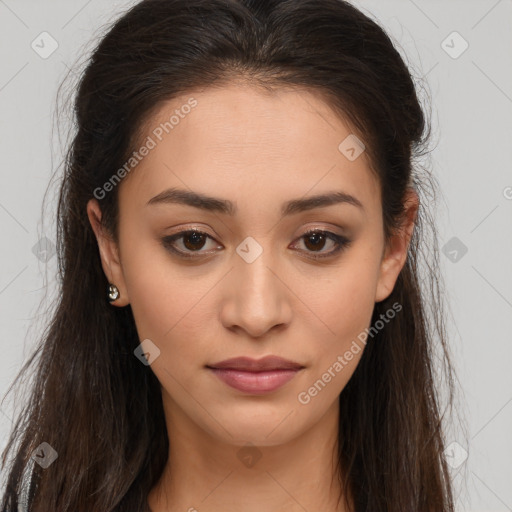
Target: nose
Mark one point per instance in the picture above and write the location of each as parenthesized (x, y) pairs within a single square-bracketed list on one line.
[(256, 298)]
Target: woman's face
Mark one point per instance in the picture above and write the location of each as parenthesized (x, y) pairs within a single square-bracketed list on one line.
[(252, 283)]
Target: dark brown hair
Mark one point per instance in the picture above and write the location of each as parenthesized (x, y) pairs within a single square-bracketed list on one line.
[(92, 400)]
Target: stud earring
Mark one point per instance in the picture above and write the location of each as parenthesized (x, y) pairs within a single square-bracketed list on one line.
[(113, 293)]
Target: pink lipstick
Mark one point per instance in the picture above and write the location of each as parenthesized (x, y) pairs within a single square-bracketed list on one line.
[(256, 376)]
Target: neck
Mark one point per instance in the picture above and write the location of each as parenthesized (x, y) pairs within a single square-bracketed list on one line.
[(204, 473)]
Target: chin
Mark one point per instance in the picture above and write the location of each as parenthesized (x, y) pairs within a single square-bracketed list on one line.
[(270, 427)]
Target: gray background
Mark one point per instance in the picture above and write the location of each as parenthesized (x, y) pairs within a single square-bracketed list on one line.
[(472, 103)]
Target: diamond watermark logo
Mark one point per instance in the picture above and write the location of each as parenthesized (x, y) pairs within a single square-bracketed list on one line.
[(44, 249), (147, 352), (351, 147), (44, 455), (454, 45), (44, 45), (249, 455), (249, 250), (454, 249), (455, 454)]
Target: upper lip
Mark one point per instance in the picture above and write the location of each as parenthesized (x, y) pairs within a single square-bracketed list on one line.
[(267, 363)]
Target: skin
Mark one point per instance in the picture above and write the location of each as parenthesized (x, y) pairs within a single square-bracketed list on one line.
[(257, 150)]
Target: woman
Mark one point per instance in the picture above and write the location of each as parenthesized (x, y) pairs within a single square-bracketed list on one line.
[(241, 323)]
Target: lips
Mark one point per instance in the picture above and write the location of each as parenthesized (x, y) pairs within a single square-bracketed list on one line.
[(256, 376), (247, 364)]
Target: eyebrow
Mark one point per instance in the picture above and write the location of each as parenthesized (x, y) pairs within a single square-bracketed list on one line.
[(213, 204)]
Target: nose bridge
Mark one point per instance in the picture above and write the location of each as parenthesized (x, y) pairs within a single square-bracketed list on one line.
[(257, 298)]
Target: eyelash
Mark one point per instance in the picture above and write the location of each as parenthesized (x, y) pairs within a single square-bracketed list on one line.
[(341, 242)]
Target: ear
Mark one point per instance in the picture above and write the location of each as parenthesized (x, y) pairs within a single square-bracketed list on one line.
[(109, 253), (395, 253)]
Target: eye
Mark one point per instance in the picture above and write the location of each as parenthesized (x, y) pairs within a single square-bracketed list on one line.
[(315, 240), (190, 241), (186, 243)]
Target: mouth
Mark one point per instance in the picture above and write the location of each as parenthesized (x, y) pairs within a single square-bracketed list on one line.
[(256, 376)]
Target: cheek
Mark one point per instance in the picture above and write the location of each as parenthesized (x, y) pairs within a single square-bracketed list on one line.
[(158, 298), (169, 307), (345, 304), (165, 316), (345, 300)]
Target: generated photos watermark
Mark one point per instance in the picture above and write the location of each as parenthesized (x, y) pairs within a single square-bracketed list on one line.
[(305, 397), (150, 143)]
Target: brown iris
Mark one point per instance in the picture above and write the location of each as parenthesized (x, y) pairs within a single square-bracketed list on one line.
[(197, 240)]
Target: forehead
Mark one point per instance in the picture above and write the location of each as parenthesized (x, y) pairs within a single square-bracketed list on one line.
[(248, 145)]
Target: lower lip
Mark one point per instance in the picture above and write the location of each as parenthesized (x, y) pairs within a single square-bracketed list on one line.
[(255, 382)]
